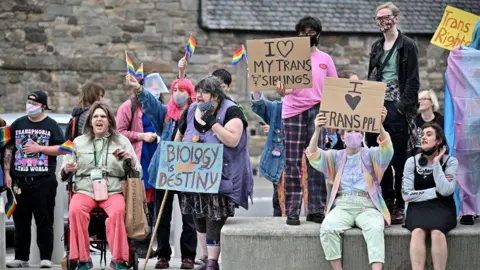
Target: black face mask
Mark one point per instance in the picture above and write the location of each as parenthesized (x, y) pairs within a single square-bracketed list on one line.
[(314, 40), (423, 161)]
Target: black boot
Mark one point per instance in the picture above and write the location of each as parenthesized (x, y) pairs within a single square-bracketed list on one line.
[(467, 220), (293, 220), (212, 265)]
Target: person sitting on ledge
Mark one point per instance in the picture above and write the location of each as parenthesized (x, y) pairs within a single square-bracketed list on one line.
[(428, 184), (355, 199)]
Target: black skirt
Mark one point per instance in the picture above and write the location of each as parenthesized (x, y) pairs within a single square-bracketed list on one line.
[(437, 214), (211, 206)]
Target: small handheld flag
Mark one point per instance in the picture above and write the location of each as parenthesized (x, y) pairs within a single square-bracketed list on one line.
[(138, 74), (239, 55), (5, 136), (11, 205), (67, 147), (190, 47)]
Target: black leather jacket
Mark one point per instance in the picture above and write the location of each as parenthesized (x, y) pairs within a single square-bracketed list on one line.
[(408, 78)]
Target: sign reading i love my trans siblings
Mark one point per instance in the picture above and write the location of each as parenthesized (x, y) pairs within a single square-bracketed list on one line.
[(190, 167), (456, 28), (283, 59)]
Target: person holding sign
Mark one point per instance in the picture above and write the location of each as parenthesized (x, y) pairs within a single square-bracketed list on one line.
[(394, 61), (165, 120), (355, 197), (298, 114), (215, 119), (429, 181)]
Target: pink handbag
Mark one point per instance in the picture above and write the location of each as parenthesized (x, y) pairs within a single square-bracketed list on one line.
[(100, 190)]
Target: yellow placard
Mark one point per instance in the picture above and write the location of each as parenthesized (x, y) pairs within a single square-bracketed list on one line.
[(455, 28)]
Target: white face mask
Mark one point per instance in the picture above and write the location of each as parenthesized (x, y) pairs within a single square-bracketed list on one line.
[(33, 110)]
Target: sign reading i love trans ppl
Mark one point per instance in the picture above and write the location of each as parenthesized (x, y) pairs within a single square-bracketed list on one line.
[(456, 28), (353, 105), (285, 59), (190, 167)]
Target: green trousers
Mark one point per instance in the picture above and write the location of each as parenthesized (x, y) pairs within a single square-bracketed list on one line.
[(349, 210)]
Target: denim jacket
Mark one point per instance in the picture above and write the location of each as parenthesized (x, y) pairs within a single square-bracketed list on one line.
[(272, 160), (156, 113)]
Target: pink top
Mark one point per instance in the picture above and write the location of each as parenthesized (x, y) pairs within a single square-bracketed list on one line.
[(124, 116), (303, 99)]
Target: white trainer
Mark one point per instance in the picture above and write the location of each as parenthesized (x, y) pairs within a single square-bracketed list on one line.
[(46, 264), (17, 264)]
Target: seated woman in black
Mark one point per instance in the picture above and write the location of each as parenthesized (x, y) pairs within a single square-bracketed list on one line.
[(428, 184)]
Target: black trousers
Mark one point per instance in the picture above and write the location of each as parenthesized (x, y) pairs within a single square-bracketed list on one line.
[(396, 125), (188, 239), (37, 198)]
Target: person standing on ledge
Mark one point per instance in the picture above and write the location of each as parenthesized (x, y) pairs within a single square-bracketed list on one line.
[(300, 106), (394, 61)]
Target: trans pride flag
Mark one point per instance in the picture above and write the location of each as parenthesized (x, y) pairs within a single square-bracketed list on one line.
[(462, 124)]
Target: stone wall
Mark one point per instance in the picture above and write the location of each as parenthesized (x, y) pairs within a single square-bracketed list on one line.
[(58, 45)]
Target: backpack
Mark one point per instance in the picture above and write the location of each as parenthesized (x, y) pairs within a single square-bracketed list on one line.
[(72, 130)]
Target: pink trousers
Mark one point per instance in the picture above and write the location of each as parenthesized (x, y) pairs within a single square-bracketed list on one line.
[(79, 217)]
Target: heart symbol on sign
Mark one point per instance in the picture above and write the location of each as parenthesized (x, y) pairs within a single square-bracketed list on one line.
[(352, 101), (285, 47)]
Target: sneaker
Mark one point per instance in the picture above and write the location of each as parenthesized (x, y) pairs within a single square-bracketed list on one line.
[(293, 221), (467, 220), (187, 263), (95, 249), (46, 264), (162, 263), (85, 265), (17, 264), (119, 265)]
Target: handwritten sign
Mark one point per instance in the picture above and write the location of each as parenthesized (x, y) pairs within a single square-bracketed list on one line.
[(285, 59), (190, 167), (353, 105), (456, 28)]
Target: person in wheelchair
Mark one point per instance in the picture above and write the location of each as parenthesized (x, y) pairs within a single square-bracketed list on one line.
[(101, 155)]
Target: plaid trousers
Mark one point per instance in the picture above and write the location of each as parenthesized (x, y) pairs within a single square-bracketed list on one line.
[(297, 132)]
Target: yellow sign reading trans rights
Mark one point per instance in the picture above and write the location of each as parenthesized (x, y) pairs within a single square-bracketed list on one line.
[(455, 29)]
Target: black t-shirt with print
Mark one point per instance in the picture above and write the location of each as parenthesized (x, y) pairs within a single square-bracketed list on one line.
[(419, 123), (46, 133), (231, 113)]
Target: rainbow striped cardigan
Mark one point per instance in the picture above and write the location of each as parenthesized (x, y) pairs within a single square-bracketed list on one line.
[(375, 161)]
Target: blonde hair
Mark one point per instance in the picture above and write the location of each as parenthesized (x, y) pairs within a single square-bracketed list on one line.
[(395, 10), (433, 98)]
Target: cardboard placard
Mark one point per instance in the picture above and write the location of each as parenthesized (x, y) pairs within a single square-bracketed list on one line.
[(353, 105), (284, 59), (456, 28), (190, 167)]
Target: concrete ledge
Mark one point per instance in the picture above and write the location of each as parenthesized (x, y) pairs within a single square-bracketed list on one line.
[(269, 244)]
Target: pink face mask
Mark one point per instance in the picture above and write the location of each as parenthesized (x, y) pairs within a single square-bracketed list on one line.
[(353, 139)]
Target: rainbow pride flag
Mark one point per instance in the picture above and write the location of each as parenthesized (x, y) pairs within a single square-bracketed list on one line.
[(5, 136), (190, 47), (67, 147), (11, 205), (138, 74), (239, 55)]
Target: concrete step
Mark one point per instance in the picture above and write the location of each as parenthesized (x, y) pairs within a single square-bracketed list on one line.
[(269, 244)]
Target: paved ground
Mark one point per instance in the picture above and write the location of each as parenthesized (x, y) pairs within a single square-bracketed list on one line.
[(174, 263)]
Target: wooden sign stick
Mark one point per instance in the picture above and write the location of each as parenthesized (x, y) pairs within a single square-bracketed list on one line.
[(154, 234)]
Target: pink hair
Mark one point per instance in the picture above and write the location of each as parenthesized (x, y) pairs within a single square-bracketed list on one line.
[(173, 111)]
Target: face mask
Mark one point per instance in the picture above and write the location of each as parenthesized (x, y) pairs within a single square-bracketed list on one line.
[(33, 110), (180, 99), (385, 24), (206, 106), (313, 40), (353, 139)]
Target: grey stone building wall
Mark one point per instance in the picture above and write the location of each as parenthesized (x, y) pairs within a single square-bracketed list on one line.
[(59, 45)]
